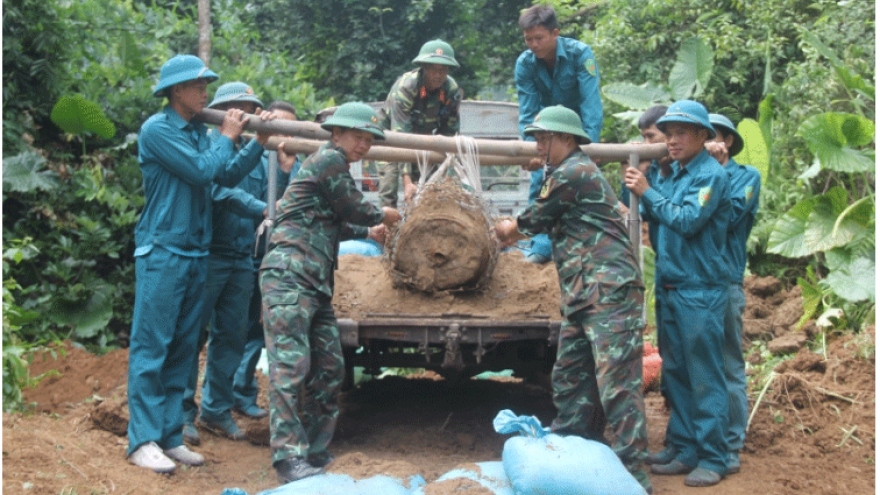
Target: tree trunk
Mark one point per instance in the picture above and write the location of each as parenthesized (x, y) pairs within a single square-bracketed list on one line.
[(205, 31)]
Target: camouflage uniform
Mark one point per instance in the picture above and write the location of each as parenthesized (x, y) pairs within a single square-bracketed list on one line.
[(410, 108), (597, 377), (296, 280)]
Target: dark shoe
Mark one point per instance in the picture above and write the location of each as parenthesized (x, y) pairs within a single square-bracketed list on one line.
[(191, 434), (702, 477), (224, 427), (252, 411), (733, 463), (674, 467), (665, 456), (320, 460), (295, 468)]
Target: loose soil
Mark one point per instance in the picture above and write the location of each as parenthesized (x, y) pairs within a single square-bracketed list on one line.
[(812, 432)]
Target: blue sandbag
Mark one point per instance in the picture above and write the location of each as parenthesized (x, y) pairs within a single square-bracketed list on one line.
[(342, 484), (489, 475), (539, 462), (365, 247)]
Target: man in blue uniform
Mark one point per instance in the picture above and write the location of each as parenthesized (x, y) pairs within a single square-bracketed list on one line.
[(554, 71), (230, 281), (179, 164), (244, 387), (693, 280), (745, 189)]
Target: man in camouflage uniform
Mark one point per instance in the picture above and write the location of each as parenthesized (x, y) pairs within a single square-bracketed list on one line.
[(422, 101), (320, 207), (597, 378)]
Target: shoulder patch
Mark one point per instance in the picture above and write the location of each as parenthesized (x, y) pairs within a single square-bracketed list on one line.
[(590, 66), (545, 189), (750, 192), (704, 195)]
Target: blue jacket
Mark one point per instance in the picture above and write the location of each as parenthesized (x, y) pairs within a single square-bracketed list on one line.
[(179, 163), (745, 189), (573, 84), (693, 217)]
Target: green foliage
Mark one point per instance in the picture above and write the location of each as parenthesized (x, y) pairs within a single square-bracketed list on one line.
[(76, 115), (15, 365), (27, 172), (35, 49)]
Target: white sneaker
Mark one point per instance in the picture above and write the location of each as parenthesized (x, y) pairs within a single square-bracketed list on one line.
[(150, 456), (183, 455)]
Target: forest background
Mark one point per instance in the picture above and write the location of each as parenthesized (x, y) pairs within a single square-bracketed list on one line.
[(77, 79)]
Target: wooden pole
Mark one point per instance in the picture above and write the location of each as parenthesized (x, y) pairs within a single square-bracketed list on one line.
[(440, 144)]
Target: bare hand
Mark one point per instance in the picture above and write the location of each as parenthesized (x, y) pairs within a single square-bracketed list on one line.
[(534, 164), (262, 137), (718, 151), (392, 216), (635, 181), (285, 161), (233, 124), (378, 232), (507, 232)]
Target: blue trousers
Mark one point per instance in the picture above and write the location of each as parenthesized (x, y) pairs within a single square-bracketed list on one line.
[(230, 283), (735, 368), (693, 368), (541, 242), (244, 385), (168, 302)]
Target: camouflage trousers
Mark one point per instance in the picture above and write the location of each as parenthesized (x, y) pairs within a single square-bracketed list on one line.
[(306, 367), (597, 378)]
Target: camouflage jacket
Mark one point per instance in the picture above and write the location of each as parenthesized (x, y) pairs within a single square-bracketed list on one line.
[(316, 213), (591, 246)]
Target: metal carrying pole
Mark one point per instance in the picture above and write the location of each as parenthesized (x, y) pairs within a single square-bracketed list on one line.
[(634, 222), (272, 192)]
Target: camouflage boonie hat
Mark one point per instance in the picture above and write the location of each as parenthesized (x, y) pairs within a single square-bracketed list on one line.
[(436, 52), (558, 119), (355, 115)]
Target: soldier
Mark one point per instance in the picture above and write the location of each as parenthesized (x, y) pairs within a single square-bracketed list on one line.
[(321, 207), (179, 164), (693, 280), (745, 189), (597, 377), (422, 101), (554, 71), (244, 387)]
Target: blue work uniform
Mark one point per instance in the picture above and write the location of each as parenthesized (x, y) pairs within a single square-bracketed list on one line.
[(229, 287), (244, 387), (574, 84), (179, 163), (692, 284), (745, 189)]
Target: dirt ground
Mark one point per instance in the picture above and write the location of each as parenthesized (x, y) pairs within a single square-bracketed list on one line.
[(813, 431)]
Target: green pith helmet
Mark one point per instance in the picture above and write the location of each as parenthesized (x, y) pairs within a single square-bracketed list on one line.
[(719, 120), (234, 91), (558, 119), (436, 52), (355, 115), (179, 69), (686, 112)]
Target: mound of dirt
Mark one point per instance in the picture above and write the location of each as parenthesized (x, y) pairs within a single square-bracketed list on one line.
[(444, 241), (517, 290)]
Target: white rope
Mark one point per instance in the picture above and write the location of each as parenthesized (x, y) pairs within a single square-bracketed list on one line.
[(422, 163), (468, 165)]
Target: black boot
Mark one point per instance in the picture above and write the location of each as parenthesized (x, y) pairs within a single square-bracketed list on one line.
[(320, 460), (295, 468)]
